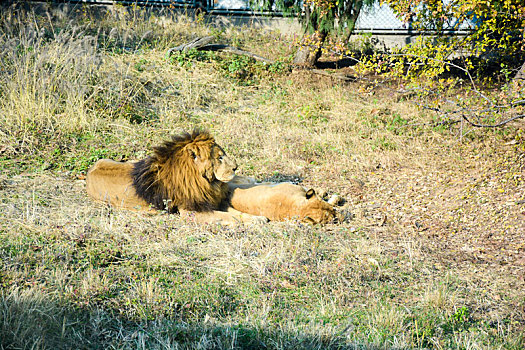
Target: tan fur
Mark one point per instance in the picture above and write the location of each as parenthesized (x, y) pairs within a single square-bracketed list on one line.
[(187, 174), (110, 182), (279, 202)]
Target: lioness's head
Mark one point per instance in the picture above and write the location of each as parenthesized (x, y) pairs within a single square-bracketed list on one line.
[(316, 210)]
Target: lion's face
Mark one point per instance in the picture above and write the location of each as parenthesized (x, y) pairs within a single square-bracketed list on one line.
[(213, 163)]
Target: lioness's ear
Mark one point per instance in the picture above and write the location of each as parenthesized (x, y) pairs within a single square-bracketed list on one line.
[(310, 193), (309, 220)]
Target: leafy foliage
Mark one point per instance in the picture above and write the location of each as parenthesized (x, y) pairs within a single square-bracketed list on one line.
[(333, 15), (462, 64), (241, 69), (493, 39), (319, 19)]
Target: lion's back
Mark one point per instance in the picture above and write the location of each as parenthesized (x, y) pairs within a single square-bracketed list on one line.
[(111, 182)]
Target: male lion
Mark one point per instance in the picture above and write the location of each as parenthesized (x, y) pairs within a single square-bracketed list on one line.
[(187, 174), (280, 201)]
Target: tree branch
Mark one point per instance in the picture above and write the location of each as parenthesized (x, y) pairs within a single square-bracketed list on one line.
[(463, 112), (492, 125)]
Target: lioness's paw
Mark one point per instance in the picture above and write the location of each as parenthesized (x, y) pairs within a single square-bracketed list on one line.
[(335, 200), (258, 220)]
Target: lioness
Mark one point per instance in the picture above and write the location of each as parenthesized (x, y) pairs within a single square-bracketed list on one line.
[(280, 201)]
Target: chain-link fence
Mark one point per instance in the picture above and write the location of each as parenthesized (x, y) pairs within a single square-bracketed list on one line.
[(377, 19), (374, 18)]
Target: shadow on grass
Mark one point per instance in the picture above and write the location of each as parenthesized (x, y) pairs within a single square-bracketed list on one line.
[(279, 177), (30, 320), (342, 63)]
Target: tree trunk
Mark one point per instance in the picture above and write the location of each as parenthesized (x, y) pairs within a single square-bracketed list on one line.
[(310, 50), (520, 76), (352, 20), (517, 85)]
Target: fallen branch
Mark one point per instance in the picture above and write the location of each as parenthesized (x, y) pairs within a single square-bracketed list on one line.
[(492, 125), (234, 50), (204, 44), (196, 43)]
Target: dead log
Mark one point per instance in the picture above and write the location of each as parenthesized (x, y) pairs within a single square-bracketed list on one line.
[(204, 44), (196, 43)]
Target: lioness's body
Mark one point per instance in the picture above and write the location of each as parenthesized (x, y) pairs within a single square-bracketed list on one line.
[(282, 201)]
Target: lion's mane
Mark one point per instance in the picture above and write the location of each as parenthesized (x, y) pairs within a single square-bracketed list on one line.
[(169, 179)]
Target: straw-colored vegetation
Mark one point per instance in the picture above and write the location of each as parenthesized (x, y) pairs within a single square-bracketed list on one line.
[(431, 254)]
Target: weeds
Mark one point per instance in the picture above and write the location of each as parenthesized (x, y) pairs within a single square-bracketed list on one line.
[(241, 69), (42, 82)]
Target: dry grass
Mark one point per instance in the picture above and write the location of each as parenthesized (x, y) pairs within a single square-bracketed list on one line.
[(431, 255)]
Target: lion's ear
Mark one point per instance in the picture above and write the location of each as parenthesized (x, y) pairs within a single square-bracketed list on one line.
[(310, 193), (191, 153)]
